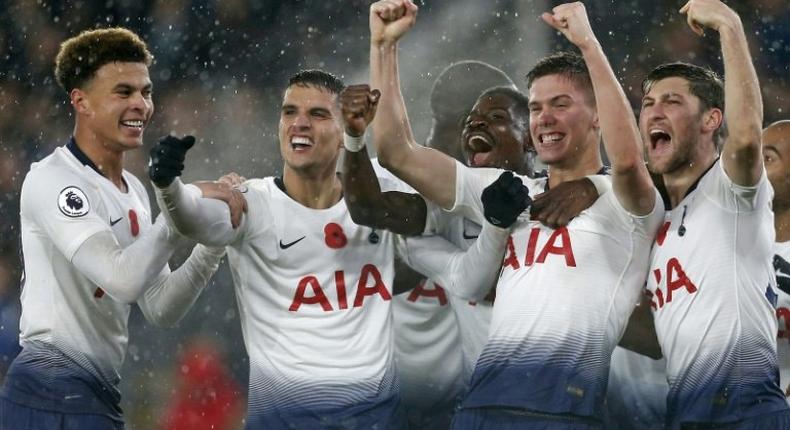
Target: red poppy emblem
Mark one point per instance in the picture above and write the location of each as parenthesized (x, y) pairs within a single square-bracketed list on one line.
[(334, 236), (134, 225)]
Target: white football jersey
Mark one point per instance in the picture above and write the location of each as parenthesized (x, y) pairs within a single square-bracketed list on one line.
[(713, 294), (782, 267), (562, 303), (428, 354), (64, 202), (314, 296), (473, 318)]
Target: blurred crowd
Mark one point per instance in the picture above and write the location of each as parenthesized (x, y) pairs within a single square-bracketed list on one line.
[(218, 72)]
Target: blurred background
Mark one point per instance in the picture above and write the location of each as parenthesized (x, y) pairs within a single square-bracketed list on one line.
[(219, 71)]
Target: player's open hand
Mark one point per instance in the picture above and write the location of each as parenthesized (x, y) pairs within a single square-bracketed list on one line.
[(358, 104), (390, 20), (233, 179), (167, 159), (505, 199), (571, 20), (708, 13), (228, 194), (558, 206)]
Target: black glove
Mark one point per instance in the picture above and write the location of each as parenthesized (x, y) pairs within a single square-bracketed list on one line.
[(167, 159), (504, 200)]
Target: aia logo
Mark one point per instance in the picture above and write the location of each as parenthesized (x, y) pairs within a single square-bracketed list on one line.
[(334, 237), (558, 244), (421, 290), (310, 292)]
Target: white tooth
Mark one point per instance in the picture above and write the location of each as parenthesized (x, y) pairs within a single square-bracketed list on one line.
[(300, 140)]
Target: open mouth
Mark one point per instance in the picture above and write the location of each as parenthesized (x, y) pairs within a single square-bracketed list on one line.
[(479, 146), (301, 143), (549, 139), (659, 138)]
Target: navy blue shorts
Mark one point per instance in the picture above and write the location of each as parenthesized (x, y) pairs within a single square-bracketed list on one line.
[(774, 421), (505, 419), (19, 417)]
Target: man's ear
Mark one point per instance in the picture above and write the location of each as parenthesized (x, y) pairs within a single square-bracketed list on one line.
[(80, 101), (712, 119)]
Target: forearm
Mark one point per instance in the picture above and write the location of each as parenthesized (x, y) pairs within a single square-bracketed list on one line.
[(640, 333), (630, 177), (467, 274), (125, 273), (167, 302), (361, 188), (743, 106), (204, 220), (396, 148)]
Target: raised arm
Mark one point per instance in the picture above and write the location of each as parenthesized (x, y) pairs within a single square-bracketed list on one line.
[(397, 150), (630, 178), (743, 105), (402, 213)]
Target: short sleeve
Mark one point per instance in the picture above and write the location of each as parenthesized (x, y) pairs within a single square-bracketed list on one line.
[(718, 187), (62, 206), (469, 186)]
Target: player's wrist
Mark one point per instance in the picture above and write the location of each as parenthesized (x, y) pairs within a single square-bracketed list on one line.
[(353, 143)]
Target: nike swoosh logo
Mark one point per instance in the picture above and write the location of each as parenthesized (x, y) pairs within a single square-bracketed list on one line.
[(112, 223), (73, 396), (288, 245), (782, 268)]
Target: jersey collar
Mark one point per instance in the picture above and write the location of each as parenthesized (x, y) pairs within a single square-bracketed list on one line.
[(668, 204), (79, 155)]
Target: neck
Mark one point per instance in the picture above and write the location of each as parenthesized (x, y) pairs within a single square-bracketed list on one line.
[(108, 162), (782, 224), (680, 180), (587, 163), (319, 192)]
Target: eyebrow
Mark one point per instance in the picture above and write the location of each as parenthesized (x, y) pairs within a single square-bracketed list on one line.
[(772, 149), (663, 96), (125, 86), (553, 99)]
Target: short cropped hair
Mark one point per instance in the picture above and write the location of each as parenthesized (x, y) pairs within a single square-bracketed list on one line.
[(704, 83), (520, 101), (81, 56), (317, 78), (566, 64), (460, 84)]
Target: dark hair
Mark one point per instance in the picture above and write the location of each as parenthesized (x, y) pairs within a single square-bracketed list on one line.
[(460, 84), (81, 56), (317, 78), (704, 83), (520, 101), (566, 64)]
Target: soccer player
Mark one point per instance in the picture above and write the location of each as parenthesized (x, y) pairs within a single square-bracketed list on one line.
[(89, 247), (313, 288), (435, 332), (776, 153), (564, 294), (712, 284)]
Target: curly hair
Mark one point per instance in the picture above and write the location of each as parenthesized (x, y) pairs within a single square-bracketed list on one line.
[(81, 56)]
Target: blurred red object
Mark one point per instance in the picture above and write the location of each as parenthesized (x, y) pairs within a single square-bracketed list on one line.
[(206, 395)]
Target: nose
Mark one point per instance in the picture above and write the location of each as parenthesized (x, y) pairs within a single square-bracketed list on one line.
[(301, 122), (139, 102), (546, 117)]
